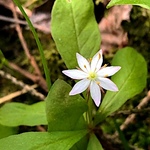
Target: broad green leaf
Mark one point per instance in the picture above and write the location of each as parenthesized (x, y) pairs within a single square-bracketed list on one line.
[(142, 3), (16, 114), (94, 143), (42, 140), (74, 29), (82, 144), (131, 80), (7, 131), (64, 112)]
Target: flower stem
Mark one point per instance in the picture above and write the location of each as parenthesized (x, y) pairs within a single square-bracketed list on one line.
[(89, 113)]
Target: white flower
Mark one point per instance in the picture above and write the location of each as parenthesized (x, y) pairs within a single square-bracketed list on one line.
[(92, 76)]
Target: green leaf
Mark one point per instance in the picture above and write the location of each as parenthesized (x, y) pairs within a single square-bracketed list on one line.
[(94, 143), (82, 144), (74, 29), (131, 80), (7, 131), (2, 60), (64, 112), (42, 140), (142, 3), (16, 114)]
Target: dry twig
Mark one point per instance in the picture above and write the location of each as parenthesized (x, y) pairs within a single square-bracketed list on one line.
[(15, 94), (133, 111), (30, 76), (130, 119), (41, 129), (26, 88), (41, 80)]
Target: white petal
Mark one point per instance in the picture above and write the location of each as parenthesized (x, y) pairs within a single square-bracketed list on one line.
[(95, 93), (75, 74), (83, 63), (108, 71), (80, 86), (97, 61), (108, 84)]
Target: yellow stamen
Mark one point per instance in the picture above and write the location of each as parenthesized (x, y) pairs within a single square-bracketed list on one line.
[(105, 65), (92, 75), (105, 76), (98, 82), (99, 55), (90, 59), (84, 66)]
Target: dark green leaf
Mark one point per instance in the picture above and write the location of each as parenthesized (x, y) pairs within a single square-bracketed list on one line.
[(64, 112), (142, 3), (82, 144), (7, 131), (42, 140), (74, 29), (94, 143), (131, 80), (16, 114)]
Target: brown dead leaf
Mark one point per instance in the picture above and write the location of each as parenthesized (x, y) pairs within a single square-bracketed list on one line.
[(112, 33), (41, 16)]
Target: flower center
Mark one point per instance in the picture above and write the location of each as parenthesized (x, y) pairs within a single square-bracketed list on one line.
[(92, 75)]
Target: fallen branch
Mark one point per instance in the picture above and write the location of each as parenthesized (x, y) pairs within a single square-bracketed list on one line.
[(40, 81), (129, 112), (131, 117), (25, 47), (26, 88)]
